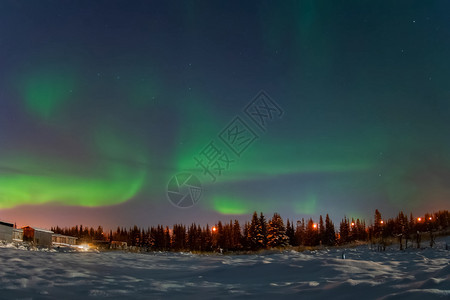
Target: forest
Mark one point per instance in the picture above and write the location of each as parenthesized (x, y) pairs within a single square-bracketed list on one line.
[(261, 233)]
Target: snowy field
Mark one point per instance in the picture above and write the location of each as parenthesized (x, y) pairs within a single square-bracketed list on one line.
[(364, 274)]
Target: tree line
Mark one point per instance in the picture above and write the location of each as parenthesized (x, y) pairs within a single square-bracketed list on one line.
[(259, 233)]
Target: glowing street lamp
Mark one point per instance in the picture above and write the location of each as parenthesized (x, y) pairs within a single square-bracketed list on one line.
[(214, 229), (419, 219), (353, 224), (315, 226), (381, 222), (430, 218)]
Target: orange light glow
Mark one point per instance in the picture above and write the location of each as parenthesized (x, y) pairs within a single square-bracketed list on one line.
[(382, 222), (419, 219), (353, 224), (214, 229), (430, 218), (315, 225)]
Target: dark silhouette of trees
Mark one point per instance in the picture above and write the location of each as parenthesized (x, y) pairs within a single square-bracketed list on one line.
[(377, 224), (330, 235), (245, 240), (300, 232), (236, 236), (290, 232), (258, 234), (179, 239), (311, 236), (263, 229), (344, 231), (321, 229)]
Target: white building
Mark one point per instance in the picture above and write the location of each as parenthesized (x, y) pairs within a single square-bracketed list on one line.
[(37, 236), (6, 231), (63, 240), (17, 235)]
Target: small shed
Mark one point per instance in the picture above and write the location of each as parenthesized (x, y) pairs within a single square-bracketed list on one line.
[(117, 245), (6, 231), (37, 236), (63, 240), (17, 235)]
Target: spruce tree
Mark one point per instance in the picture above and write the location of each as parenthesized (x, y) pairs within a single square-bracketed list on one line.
[(220, 235), (262, 231), (322, 236), (206, 239), (237, 236), (254, 233), (344, 231), (330, 235), (311, 234), (377, 226), (290, 233), (276, 232), (245, 241), (300, 232), (166, 238)]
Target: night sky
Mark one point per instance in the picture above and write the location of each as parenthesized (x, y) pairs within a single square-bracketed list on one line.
[(103, 102)]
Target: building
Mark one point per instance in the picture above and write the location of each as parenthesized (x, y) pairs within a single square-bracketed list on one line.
[(100, 244), (63, 240), (117, 245), (37, 236), (17, 235), (6, 231)]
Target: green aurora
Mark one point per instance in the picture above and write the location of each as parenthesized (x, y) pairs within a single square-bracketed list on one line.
[(100, 112)]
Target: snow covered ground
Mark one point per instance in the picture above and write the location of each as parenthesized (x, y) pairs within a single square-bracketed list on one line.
[(365, 274)]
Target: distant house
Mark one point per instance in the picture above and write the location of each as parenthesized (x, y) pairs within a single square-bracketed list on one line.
[(6, 231), (116, 245), (101, 244), (17, 235), (37, 236), (63, 240)]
